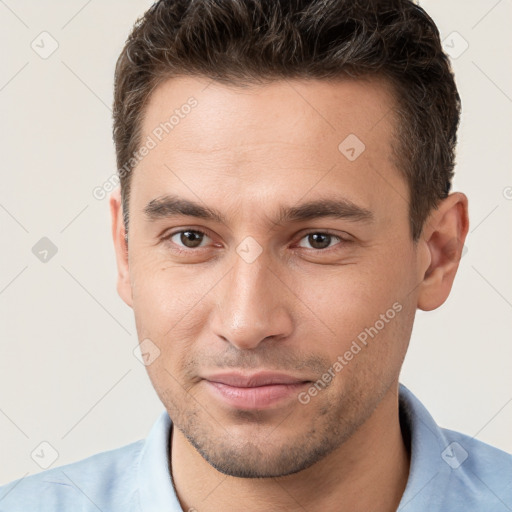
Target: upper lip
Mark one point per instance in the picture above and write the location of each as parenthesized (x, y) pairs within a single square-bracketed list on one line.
[(243, 380)]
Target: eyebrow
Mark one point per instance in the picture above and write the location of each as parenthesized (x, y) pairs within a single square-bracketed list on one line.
[(340, 208)]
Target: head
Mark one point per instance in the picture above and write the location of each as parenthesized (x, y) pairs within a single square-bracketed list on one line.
[(285, 171)]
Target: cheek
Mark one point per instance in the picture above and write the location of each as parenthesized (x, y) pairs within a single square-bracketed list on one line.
[(170, 308), (162, 293), (346, 299), (368, 304)]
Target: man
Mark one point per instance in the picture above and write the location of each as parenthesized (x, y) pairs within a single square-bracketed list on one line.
[(284, 210)]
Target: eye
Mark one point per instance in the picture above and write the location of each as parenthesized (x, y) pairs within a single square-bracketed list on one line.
[(319, 240), (188, 238)]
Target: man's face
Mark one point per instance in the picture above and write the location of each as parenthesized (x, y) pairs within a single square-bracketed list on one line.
[(251, 309)]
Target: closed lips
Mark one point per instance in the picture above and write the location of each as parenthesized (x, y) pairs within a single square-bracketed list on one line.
[(255, 380)]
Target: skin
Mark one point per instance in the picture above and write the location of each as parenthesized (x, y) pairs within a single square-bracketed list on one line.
[(247, 152)]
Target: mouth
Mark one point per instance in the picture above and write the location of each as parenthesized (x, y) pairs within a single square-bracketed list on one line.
[(262, 390)]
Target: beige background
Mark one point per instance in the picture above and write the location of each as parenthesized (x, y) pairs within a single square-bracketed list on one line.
[(68, 374)]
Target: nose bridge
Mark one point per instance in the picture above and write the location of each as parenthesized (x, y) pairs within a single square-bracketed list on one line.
[(252, 305)]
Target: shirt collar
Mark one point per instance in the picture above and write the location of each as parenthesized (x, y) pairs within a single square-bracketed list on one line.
[(156, 490), (427, 469)]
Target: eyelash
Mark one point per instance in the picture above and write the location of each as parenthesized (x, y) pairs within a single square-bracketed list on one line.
[(180, 250)]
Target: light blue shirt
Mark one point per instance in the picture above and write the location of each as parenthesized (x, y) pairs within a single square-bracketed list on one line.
[(449, 472)]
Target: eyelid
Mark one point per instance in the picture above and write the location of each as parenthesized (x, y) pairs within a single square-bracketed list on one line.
[(342, 239), (166, 237)]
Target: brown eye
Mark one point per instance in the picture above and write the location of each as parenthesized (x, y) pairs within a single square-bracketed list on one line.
[(319, 240), (188, 238)]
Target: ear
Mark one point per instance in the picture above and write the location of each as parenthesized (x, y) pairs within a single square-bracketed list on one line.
[(124, 288), (442, 239)]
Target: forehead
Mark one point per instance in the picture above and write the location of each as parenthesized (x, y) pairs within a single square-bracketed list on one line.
[(286, 138), (269, 112)]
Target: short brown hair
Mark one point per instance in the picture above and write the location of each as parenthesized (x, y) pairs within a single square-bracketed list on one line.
[(243, 42)]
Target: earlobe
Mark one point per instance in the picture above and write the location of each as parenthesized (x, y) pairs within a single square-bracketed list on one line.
[(444, 235), (120, 246)]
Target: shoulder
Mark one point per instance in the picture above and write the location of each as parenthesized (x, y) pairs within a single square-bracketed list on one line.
[(102, 481), (482, 471), (450, 470)]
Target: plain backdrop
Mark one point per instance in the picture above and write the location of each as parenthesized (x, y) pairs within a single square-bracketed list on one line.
[(68, 373)]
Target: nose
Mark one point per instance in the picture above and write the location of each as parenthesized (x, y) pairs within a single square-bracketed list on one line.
[(252, 305)]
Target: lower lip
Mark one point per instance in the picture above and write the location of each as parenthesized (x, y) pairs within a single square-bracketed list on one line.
[(261, 397)]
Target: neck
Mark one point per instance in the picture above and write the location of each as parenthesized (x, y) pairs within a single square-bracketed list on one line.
[(368, 472)]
